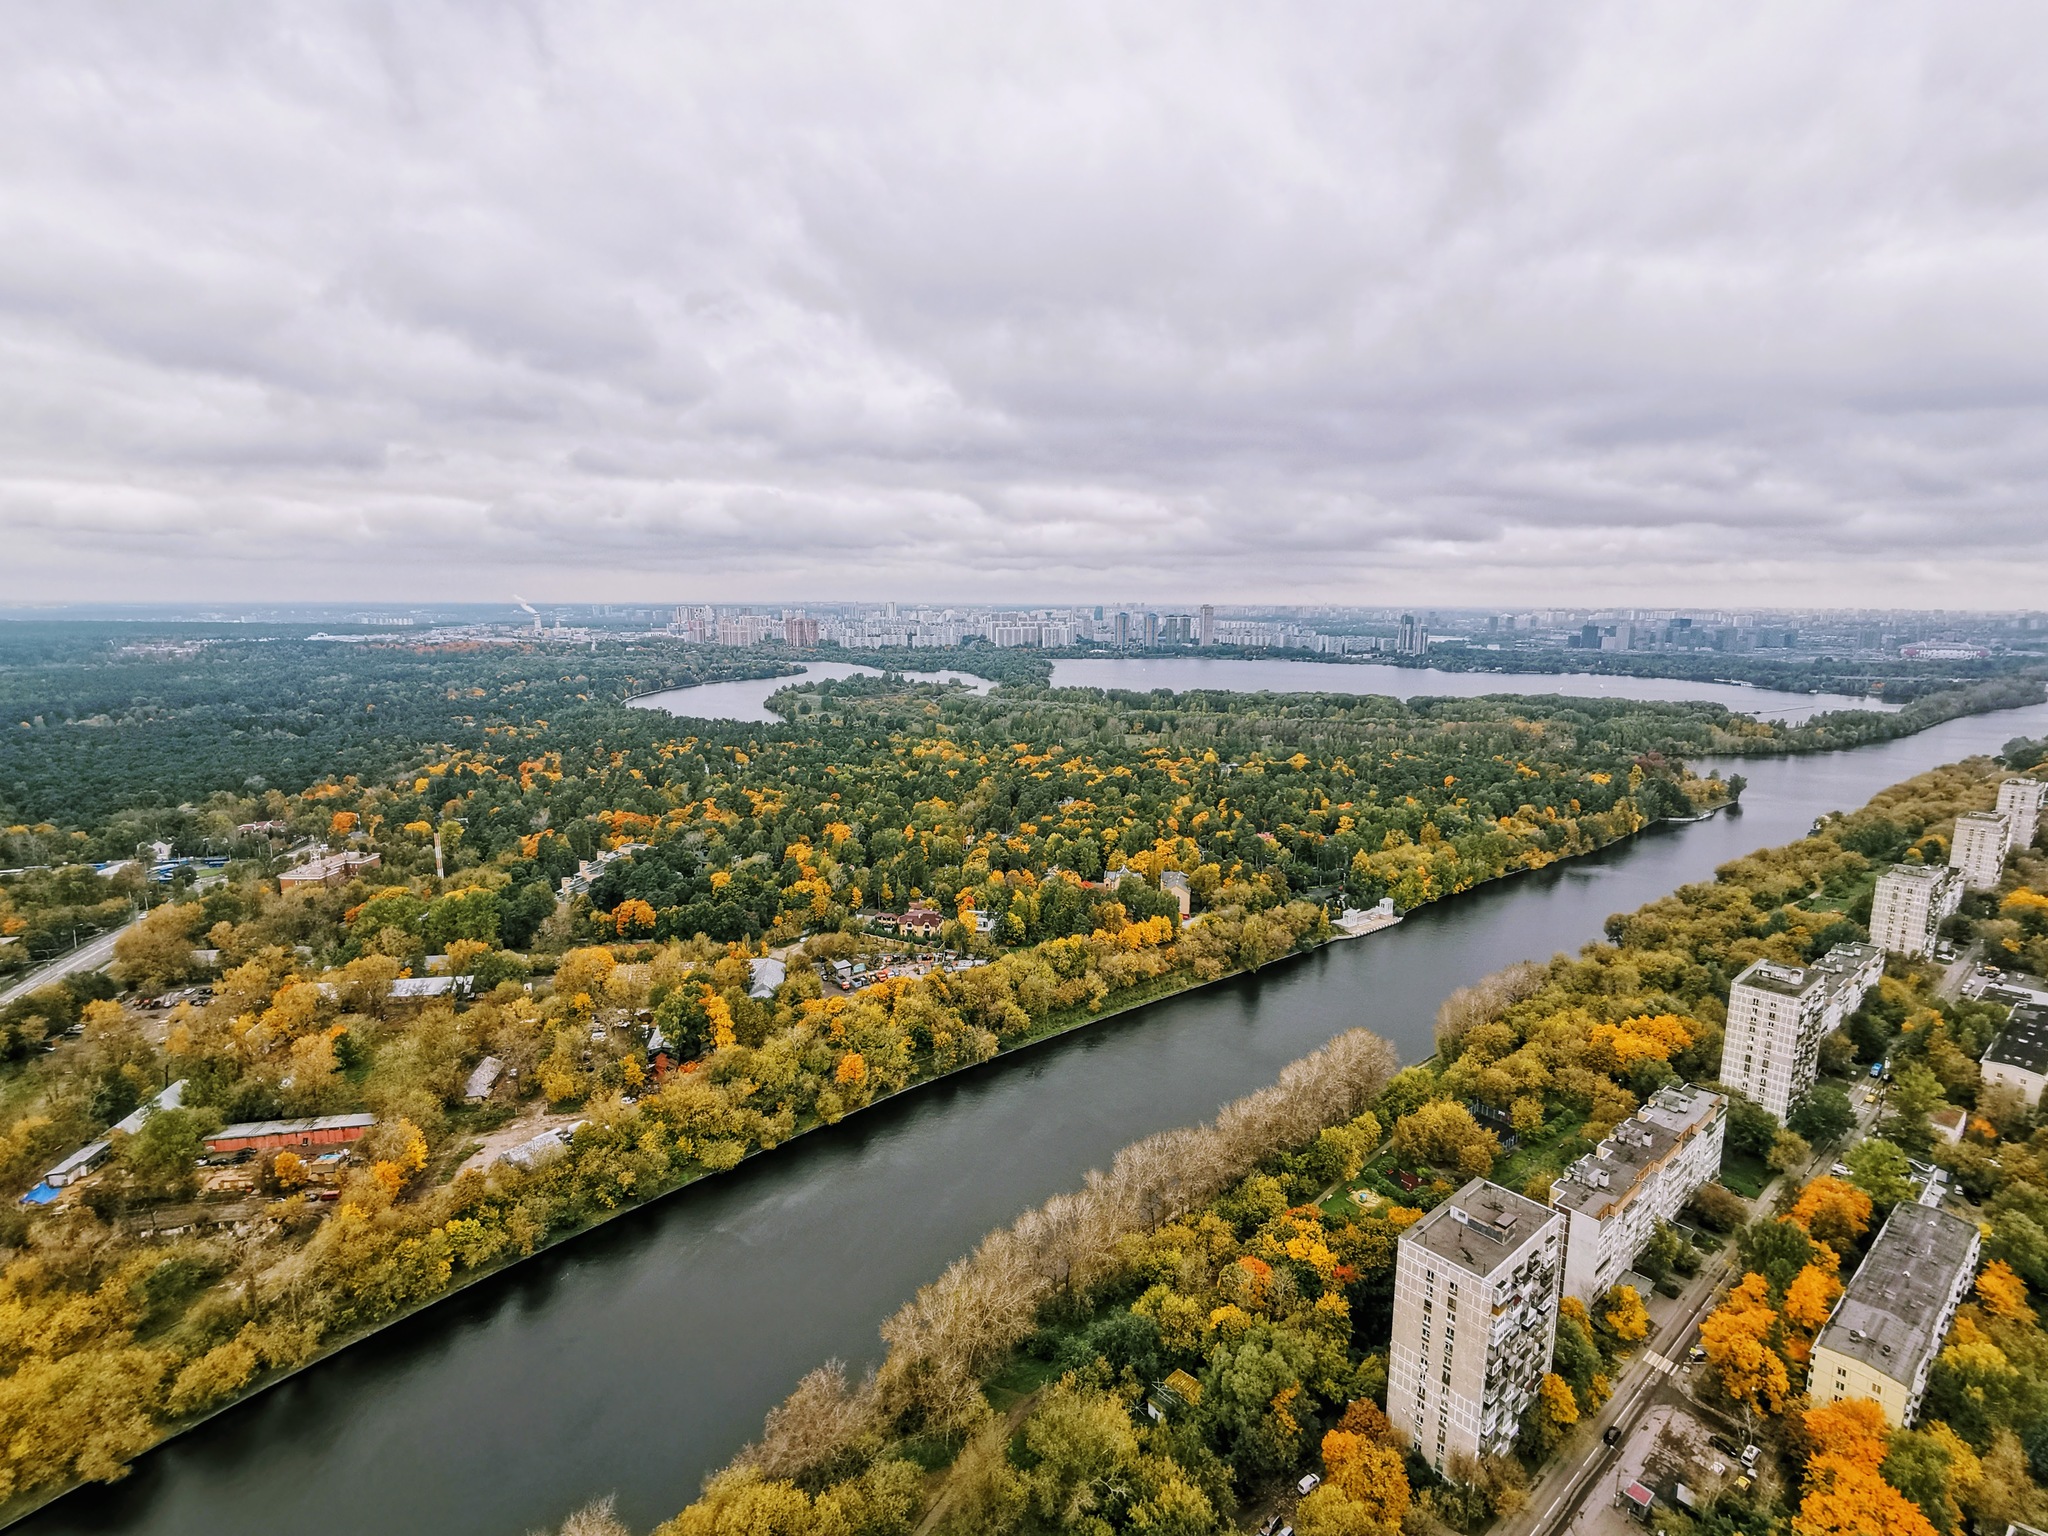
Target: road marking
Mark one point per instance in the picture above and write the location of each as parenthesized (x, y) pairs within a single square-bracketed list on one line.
[(1658, 1363)]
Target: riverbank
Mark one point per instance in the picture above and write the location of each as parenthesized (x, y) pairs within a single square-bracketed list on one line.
[(1055, 1026), (639, 1359), (1090, 1284)]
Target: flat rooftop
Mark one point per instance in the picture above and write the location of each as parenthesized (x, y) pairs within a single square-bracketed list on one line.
[(1785, 980), (2023, 1043), (1915, 874), (1479, 1227), (1889, 1316), (1605, 1178)]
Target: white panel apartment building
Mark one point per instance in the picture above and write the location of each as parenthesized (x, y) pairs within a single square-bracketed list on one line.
[(1978, 848), (2020, 800), (1476, 1287), (1911, 904), (1779, 1014), (1613, 1198)]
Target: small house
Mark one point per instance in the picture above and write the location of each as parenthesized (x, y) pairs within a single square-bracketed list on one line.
[(767, 974), (483, 1080)]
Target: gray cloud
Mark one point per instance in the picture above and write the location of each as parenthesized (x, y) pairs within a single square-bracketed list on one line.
[(1469, 302)]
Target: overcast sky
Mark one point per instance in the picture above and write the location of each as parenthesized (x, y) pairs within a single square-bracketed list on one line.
[(1488, 303)]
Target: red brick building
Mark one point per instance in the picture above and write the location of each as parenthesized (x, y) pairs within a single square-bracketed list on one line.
[(280, 1135)]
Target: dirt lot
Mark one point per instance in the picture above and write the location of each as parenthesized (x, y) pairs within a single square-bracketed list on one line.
[(506, 1137)]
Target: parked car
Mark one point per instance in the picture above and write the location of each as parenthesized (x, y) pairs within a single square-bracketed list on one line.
[(1750, 1453), (1610, 1434), (1308, 1484), (1695, 1355)]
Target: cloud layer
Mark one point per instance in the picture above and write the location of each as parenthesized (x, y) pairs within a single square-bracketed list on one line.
[(1469, 302)]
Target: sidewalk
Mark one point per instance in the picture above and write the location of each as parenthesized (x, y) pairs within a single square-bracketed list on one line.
[(1561, 1489)]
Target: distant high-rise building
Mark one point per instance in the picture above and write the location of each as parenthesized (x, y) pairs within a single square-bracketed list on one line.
[(1208, 636), (1978, 848), (2020, 799), (1123, 630), (1910, 905), (1414, 639), (1151, 630), (1476, 1287)]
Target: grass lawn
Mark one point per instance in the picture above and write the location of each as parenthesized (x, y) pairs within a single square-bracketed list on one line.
[(1747, 1176), (1548, 1151), (1017, 1380)]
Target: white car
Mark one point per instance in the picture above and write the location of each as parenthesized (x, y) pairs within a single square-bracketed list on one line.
[(1308, 1484), (1750, 1453)]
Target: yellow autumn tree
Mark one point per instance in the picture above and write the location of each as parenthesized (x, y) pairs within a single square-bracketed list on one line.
[(1845, 1496), (1737, 1338), (1626, 1316), (1654, 1037), (2003, 1292), (1832, 1211), (1365, 1492)]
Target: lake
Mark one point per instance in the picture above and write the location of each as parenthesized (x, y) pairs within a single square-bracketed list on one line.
[(1182, 673), (747, 699)]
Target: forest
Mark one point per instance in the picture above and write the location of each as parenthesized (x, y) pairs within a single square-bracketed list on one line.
[(633, 1036), (1168, 1347)]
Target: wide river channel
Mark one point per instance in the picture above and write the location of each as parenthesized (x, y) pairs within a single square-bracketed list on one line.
[(639, 1356)]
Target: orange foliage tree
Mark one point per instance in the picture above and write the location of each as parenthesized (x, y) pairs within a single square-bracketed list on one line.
[(1832, 1212), (2003, 1292), (1737, 1336), (1845, 1496)]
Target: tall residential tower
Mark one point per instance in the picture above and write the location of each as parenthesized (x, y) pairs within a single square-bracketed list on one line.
[(1476, 1287)]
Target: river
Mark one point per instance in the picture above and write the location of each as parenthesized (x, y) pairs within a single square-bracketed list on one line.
[(639, 1356)]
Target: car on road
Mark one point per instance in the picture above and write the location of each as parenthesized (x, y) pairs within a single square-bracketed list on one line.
[(1840, 1170), (1308, 1484), (1611, 1434)]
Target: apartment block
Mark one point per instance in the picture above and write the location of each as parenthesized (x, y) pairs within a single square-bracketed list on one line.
[(1886, 1330), (1978, 848), (2020, 800), (1476, 1287), (2018, 1058), (1849, 971), (1612, 1198), (1911, 903), (1779, 1014)]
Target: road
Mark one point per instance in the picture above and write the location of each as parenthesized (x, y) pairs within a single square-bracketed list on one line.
[(1563, 1487), (1950, 987), (89, 956)]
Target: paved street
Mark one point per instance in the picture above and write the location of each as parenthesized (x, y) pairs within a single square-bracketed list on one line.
[(87, 957), (1578, 1482)]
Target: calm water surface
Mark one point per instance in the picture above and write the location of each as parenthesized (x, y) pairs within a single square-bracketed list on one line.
[(640, 1356), (747, 699), (1181, 673)]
